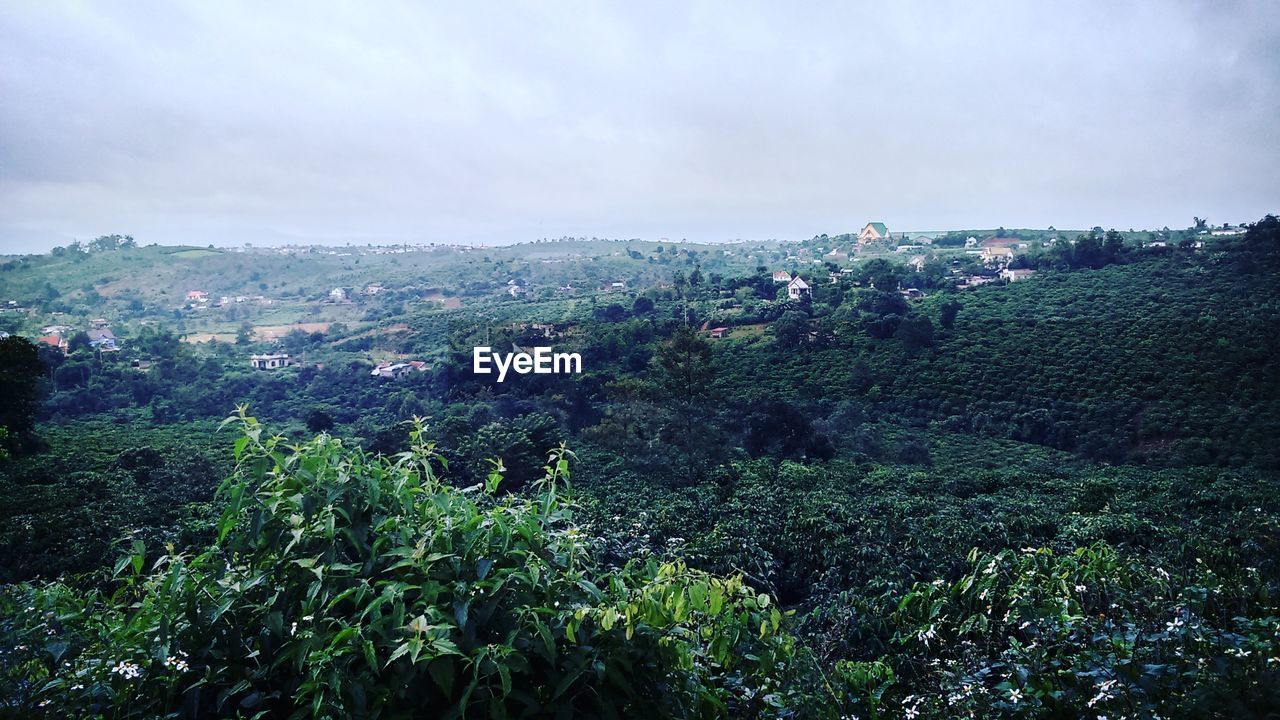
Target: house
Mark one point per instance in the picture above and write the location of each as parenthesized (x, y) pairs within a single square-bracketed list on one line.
[(994, 241), (781, 276), (373, 289), (911, 293), (197, 296), (102, 339), (973, 281), (873, 232), (836, 256), (515, 290), (269, 362), (719, 332), (902, 249), (798, 287), (394, 371), (997, 255), (56, 341), (1015, 275), (971, 242), (617, 285), (917, 263), (338, 294)]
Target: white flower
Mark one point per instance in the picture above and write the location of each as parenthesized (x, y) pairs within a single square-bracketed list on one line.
[(1081, 588), (1015, 695), (127, 670)]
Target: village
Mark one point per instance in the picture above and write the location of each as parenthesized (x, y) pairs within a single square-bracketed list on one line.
[(562, 271)]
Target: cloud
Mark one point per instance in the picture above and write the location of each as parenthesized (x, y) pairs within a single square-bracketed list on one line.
[(227, 123)]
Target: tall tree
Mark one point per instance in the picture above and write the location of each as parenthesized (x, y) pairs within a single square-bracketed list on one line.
[(684, 372), (20, 373)]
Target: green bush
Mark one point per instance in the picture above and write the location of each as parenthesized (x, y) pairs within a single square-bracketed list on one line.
[(343, 584)]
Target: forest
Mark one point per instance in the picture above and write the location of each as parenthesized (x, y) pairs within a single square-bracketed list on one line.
[(891, 496)]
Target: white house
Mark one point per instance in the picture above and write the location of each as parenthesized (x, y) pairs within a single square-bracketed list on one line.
[(997, 255), (1015, 275), (798, 287), (269, 362), (781, 276), (392, 371), (338, 294)]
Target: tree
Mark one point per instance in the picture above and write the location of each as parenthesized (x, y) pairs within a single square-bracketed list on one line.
[(1112, 245), (695, 279), (781, 430), (791, 328), (683, 371), (319, 421), (78, 342), (948, 312), (916, 333), (20, 374)]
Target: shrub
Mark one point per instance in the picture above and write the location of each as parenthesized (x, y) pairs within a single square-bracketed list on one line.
[(343, 584)]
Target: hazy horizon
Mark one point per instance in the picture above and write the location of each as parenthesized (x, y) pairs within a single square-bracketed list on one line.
[(320, 124)]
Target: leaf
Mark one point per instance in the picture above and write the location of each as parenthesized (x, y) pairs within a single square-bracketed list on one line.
[(442, 672), (139, 554), (505, 676), (460, 613), (399, 652)]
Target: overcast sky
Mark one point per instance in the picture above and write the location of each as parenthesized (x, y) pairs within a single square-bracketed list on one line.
[(222, 122)]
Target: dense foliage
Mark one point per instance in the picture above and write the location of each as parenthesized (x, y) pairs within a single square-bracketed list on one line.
[(343, 585), (1055, 497)]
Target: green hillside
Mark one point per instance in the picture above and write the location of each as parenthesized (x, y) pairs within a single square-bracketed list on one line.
[(1045, 494)]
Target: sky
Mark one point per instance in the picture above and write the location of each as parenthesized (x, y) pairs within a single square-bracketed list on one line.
[(314, 122)]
